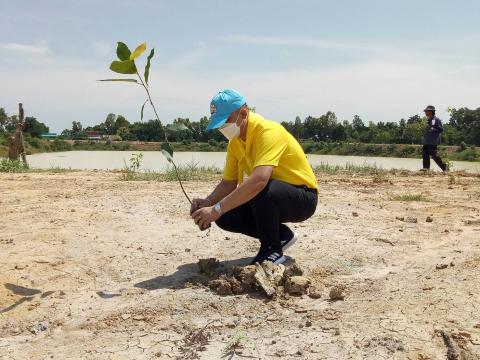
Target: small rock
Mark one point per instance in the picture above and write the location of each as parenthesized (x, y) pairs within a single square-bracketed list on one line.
[(301, 310), (441, 266), (268, 276), (336, 293), (297, 285), (188, 250), (208, 266), (73, 210), (354, 214), (20, 267), (126, 316), (308, 323), (314, 292), (401, 218), (429, 219), (452, 264)]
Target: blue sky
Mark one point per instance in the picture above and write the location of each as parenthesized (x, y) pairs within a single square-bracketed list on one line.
[(383, 60)]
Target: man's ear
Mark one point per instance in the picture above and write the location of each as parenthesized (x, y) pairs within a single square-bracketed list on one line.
[(244, 112)]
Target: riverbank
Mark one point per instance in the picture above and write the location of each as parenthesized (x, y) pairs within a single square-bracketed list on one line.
[(113, 273), (35, 146)]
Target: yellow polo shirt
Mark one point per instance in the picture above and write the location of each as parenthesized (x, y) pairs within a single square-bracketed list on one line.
[(268, 143)]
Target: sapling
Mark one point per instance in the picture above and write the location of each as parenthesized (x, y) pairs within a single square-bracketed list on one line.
[(126, 65)]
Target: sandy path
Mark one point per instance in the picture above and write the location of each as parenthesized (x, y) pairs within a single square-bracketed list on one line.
[(93, 267)]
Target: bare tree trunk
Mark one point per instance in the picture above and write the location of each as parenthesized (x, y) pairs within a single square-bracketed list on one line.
[(21, 142)]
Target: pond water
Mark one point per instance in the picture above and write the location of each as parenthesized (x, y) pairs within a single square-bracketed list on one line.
[(154, 160)]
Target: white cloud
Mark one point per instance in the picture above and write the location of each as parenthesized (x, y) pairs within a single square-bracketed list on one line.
[(376, 90), (411, 51), (16, 49)]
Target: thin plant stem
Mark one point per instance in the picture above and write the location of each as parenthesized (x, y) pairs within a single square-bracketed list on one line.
[(165, 134)]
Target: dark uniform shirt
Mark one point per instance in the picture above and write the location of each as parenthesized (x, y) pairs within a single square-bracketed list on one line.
[(433, 131)]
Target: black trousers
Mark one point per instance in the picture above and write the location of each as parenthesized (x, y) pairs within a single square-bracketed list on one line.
[(431, 150), (264, 215)]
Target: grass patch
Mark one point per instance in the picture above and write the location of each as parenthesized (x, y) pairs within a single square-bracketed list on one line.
[(409, 197), (187, 172), (349, 169), (12, 166), (17, 166)]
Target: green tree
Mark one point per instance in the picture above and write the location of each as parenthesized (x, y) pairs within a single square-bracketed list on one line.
[(3, 120), (468, 122), (77, 130), (109, 124), (34, 127)]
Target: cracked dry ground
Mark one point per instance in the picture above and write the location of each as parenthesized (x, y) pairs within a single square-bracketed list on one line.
[(96, 268)]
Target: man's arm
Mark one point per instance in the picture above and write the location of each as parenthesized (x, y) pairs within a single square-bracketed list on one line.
[(437, 125), (224, 188), (249, 189)]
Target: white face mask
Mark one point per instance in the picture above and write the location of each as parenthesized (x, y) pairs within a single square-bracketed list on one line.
[(230, 130)]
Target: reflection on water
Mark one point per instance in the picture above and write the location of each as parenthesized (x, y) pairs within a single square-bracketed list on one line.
[(153, 160)]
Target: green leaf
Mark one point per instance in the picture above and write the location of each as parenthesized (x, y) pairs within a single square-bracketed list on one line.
[(126, 80), (147, 67), (123, 52), (138, 51), (141, 113), (123, 67), (167, 151)]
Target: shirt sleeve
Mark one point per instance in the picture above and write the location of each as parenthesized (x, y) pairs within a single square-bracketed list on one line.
[(231, 165), (269, 148)]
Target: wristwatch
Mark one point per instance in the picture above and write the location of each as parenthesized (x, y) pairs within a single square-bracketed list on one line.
[(218, 208)]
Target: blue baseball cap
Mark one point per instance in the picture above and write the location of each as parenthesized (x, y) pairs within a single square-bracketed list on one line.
[(222, 105)]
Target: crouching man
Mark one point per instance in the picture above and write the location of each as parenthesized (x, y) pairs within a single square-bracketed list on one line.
[(281, 186)]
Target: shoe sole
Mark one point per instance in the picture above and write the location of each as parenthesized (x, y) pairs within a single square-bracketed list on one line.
[(291, 242)]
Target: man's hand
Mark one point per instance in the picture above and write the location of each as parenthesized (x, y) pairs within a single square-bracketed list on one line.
[(205, 216), (198, 204)]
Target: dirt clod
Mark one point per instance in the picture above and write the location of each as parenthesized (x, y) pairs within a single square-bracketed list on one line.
[(293, 270), (336, 293), (297, 285), (314, 292), (208, 266), (429, 219)]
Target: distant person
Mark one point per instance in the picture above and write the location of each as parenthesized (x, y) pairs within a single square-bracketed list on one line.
[(431, 139), (281, 186)]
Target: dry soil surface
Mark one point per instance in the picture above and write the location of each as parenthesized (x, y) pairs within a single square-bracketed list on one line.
[(92, 267)]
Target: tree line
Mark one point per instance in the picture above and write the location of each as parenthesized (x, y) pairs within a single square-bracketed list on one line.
[(462, 128)]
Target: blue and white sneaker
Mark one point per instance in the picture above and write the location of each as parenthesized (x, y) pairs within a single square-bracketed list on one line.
[(287, 243), (275, 257), (268, 254)]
